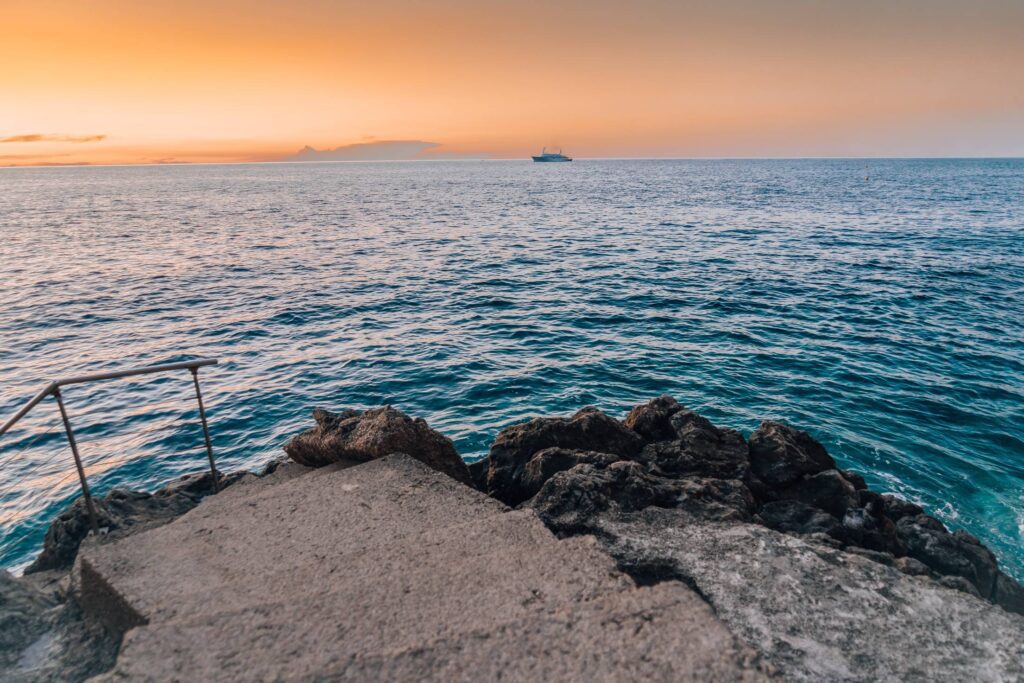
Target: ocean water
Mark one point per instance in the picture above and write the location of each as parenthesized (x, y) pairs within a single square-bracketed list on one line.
[(878, 304)]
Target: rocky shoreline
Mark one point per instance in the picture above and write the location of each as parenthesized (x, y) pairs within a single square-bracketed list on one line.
[(796, 556), (579, 471)]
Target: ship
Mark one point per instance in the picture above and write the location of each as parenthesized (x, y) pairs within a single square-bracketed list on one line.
[(545, 155)]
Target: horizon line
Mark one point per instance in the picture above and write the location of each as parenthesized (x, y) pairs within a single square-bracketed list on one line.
[(523, 159)]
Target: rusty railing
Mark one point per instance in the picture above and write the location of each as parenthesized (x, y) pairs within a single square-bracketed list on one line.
[(53, 389)]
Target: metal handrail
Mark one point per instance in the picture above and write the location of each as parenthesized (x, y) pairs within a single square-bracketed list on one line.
[(53, 388)]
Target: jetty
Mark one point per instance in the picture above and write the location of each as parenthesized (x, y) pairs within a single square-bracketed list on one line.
[(388, 570), (658, 547)]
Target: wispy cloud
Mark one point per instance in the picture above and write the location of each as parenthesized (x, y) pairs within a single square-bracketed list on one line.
[(49, 137)]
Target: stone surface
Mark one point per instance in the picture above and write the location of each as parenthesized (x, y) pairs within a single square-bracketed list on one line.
[(794, 516), (780, 455), (515, 446), (820, 614), (548, 462), (652, 420), (392, 570), (119, 511), (608, 632), (388, 571), (828, 491), (783, 478), (43, 640), (570, 501), (699, 453), (22, 617), (956, 554), (359, 437), (478, 473), (1009, 594)]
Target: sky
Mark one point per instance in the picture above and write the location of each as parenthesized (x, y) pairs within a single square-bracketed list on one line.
[(119, 81)]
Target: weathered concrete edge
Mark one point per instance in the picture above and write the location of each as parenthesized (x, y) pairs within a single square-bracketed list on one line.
[(101, 601)]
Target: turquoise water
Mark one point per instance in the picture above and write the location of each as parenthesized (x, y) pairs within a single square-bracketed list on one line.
[(877, 304)]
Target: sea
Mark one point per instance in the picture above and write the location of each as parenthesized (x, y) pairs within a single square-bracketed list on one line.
[(878, 304)]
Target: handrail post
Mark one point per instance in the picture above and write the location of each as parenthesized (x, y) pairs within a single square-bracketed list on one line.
[(206, 429), (78, 461)]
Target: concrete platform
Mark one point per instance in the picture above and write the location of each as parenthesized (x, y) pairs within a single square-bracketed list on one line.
[(388, 571)]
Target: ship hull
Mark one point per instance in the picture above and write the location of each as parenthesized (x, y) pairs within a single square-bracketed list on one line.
[(550, 160)]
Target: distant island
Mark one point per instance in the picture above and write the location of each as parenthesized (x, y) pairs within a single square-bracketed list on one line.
[(380, 150)]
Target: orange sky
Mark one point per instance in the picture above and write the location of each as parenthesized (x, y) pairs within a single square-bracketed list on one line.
[(118, 81)]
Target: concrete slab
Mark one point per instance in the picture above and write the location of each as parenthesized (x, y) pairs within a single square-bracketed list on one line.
[(311, 525), (663, 633), (389, 571)]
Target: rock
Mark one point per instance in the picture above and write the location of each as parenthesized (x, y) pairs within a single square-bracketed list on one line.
[(825, 540), (570, 501), (375, 433), (781, 455), (1009, 594), (855, 479), (699, 449), (909, 565), (861, 528), (587, 430), (22, 617), (42, 639), (273, 466), (897, 508), (797, 517), (652, 420), (874, 555), (956, 554), (958, 583), (544, 464), (828, 491), (117, 511), (478, 473), (871, 501), (819, 614)]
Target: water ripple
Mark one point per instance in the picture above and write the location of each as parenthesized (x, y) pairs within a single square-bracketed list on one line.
[(885, 316)]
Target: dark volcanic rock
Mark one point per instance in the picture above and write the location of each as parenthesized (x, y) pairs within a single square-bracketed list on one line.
[(797, 517), (959, 583), (119, 510), (590, 467), (875, 532), (1009, 594), (544, 464), (874, 555), (652, 420), (781, 455), (587, 430), (897, 508), (699, 449), (956, 554), (45, 640), (478, 473), (828, 491), (375, 433), (909, 565), (855, 479), (22, 616), (571, 501)]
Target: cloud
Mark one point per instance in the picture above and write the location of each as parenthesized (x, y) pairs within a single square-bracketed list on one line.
[(47, 137)]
